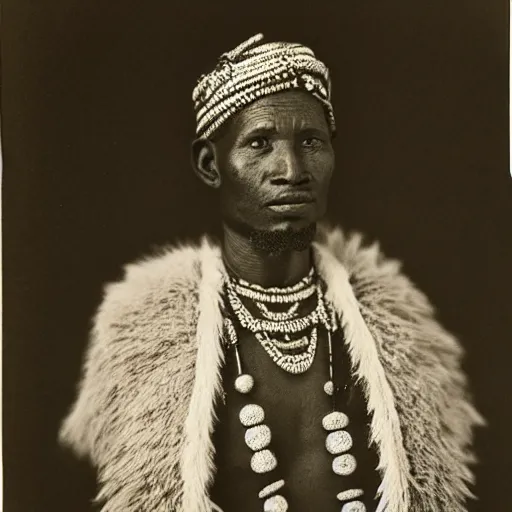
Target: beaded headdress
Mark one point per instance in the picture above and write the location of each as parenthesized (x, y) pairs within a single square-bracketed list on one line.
[(253, 70)]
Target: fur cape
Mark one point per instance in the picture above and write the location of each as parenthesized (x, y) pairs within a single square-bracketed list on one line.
[(144, 411)]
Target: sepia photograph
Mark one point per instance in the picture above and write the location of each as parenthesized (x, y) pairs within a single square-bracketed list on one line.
[(256, 256)]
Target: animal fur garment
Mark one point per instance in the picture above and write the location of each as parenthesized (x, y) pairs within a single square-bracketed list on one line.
[(144, 413)]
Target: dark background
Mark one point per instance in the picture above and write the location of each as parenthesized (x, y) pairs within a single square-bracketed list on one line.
[(97, 120)]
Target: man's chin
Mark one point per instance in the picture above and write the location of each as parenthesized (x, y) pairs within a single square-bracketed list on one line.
[(282, 239)]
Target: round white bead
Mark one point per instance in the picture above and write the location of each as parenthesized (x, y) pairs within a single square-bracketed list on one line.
[(251, 414), (275, 504), (354, 506), (263, 461), (338, 442), (344, 464), (350, 494), (257, 438), (244, 383), (329, 387), (270, 489), (335, 421)]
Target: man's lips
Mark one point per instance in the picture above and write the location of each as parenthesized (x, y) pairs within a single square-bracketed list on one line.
[(296, 203), (291, 208), (297, 198)]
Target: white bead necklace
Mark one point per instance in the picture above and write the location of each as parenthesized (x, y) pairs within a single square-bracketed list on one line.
[(258, 435)]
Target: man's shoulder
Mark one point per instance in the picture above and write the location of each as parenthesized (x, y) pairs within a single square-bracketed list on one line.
[(399, 314), (165, 278), (376, 277)]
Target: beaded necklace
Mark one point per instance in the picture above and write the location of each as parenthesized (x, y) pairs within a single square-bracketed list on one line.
[(293, 354)]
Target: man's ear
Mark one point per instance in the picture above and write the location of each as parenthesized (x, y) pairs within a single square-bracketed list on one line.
[(204, 162)]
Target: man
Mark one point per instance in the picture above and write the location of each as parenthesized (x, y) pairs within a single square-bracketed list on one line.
[(287, 368)]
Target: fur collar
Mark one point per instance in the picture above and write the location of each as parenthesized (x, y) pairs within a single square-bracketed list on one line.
[(144, 413)]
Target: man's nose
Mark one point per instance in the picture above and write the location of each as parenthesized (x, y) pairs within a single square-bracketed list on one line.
[(289, 168)]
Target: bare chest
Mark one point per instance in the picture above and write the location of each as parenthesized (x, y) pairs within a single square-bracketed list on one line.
[(294, 406)]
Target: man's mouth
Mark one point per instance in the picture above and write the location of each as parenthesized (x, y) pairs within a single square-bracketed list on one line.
[(296, 203), (292, 199)]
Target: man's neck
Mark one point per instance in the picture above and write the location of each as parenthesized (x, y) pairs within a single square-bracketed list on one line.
[(282, 269)]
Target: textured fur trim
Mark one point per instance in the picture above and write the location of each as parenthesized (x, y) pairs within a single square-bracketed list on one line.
[(423, 367), (385, 425), (197, 460), (144, 408), (136, 384)]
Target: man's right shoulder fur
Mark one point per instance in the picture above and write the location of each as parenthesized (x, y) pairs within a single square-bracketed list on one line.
[(143, 330), (166, 280)]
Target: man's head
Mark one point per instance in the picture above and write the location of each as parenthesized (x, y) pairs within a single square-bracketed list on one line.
[(271, 158)]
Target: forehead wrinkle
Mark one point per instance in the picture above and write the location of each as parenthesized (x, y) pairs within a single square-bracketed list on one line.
[(272, 119), (257, 118), (292, 111)]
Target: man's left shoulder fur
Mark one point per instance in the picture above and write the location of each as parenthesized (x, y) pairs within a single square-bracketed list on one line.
[(423, 365), (386, 296)]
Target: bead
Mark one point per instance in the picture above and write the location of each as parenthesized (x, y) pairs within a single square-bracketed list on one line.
[(276, 504), (354, 506), (335, 420), (244, 383), (257, 438), (263, 461), (344, 464), (350, 494), (233, 338), (270, 489), (338, 442), (251, 414), (296, 363), (329, 387), (292, 345), (278, 316)]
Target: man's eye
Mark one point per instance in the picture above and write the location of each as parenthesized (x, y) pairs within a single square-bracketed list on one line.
[(259, 143), (311, 142)]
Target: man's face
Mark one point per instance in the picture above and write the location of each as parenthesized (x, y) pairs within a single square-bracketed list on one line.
[(275, 160)]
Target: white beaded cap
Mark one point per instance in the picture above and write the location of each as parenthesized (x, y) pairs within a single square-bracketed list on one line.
[(253, 70)]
